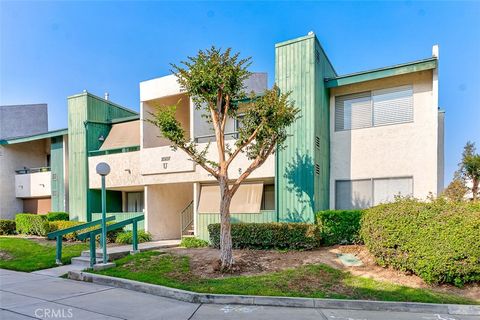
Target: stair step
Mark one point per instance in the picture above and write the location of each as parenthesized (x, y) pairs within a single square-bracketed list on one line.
[(86, 253)]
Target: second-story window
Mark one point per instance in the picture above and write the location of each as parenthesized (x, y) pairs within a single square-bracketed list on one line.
[(374, 108)]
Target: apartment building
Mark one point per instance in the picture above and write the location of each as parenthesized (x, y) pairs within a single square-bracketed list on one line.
[(362, 139)]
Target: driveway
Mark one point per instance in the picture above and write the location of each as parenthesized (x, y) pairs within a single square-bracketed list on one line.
[(32, 296)]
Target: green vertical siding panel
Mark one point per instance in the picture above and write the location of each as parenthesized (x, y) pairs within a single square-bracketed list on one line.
[(300, 192), (57, 174), (323, 69), (77, 157), (83, 133), (204, 219)]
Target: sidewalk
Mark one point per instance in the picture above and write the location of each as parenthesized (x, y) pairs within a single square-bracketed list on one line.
[(27, 296)]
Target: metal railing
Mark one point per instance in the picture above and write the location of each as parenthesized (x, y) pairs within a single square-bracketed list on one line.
[(26, 170), (93, 233), (60, 233), (211, 137), (121, 216), (113, 151), (186, 218)]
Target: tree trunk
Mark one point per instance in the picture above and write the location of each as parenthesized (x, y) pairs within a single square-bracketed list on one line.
[(226, 256), (474, 188)]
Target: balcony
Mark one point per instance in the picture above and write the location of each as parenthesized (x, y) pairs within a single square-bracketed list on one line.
[(33, 183)]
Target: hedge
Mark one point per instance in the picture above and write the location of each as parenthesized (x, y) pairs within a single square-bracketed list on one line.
[(57, 216), (192, 242), (439, 241), (127, 237), (7, 227), (339, 226), (34, 224), (269, 235), (60, 225)]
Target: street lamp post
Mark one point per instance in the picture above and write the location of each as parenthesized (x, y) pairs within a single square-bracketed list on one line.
[(103, 169)]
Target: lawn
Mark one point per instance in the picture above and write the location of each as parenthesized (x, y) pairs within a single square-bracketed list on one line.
[(316, 281), (30, 255)]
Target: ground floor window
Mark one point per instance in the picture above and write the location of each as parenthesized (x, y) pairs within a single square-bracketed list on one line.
[(268, 197), (135, 201), (364, 193), (249, 198)]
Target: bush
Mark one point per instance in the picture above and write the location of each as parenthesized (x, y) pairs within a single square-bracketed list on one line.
[(127, 237), (339, 226), (269, 235), (439, 241), (7, 226), (192, 242), (60, 225), (57, 216), (27, 223)]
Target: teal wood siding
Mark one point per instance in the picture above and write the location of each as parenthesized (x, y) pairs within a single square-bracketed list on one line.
[(204, 219), (120, 216), (57, 174), (88, 118), (323, 69), (302, 167)]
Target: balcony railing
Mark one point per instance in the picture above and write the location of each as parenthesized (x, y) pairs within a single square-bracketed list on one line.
[(26, 170), (211, 137), (113, 151)]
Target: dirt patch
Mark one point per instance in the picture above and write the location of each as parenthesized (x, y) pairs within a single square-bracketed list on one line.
[(5, 255), (204, 264)]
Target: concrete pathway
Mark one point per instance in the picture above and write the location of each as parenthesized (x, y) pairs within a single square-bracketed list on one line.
[(36, 296)]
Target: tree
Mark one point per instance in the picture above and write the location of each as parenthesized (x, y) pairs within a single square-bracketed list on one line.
[(457, 189), (470, 167), (214, 80)]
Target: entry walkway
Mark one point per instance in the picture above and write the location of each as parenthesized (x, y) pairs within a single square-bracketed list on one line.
[(33, 296)]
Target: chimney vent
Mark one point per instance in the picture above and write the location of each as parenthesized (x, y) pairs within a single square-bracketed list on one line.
[(106, 95)]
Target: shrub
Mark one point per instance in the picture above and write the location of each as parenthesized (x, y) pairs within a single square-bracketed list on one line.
[(60, 225), (27, 223), (192, 242), (7, 226), (339, 226), (269, 235), (438, 240), (127, 237), (57, 216)]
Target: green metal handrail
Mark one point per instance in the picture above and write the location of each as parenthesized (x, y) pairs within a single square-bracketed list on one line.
[(93, 233), (60, 233)]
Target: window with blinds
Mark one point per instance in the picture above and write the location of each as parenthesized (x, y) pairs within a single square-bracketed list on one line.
[(360, 194), (376, 108)]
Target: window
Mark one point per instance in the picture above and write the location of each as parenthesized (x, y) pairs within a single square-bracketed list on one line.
[(376, 108), (268, 197), (135, 201), (359, 194), (247, 199), (356, 194)]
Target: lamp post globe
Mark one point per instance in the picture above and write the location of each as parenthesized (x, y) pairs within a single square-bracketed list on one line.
[(103, 169)]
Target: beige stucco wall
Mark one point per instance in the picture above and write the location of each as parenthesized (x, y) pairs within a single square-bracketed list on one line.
[(408, 149), (163, 204), (125, 170), (13, 157), (33, 185)]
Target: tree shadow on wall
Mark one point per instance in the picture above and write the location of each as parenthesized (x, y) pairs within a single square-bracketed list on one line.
[(300, 166)]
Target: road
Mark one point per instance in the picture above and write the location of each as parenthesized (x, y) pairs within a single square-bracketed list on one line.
[(30, 296)]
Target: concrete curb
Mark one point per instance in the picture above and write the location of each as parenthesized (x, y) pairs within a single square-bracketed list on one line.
[(188, 296)]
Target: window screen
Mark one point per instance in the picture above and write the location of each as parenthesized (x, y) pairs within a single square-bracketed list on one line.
[(353, 111), (393, 106), (385, 190), (355, 194), (377, 108)]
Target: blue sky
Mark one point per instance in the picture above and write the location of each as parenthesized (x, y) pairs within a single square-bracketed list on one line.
[(50, 50)]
